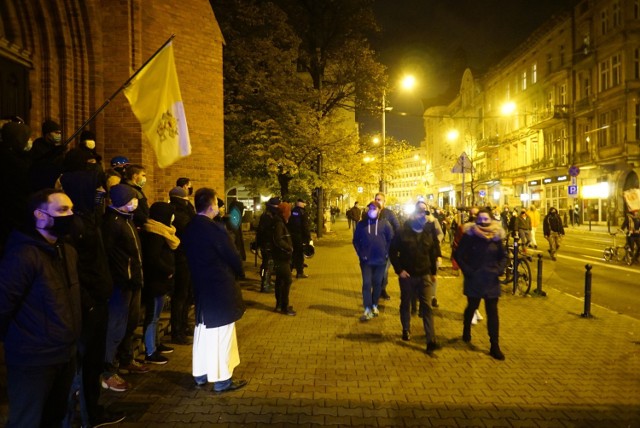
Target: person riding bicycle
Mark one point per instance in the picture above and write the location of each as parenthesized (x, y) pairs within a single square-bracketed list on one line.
[(631, 225), (553, 231)]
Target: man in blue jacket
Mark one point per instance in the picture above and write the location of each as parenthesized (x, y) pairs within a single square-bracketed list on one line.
[(40, 313), (214, 264)]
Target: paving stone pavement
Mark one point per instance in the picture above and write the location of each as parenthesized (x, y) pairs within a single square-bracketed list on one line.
[(326, 368)]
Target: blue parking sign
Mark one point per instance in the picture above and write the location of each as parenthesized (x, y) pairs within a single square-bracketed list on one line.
[(573, 190)]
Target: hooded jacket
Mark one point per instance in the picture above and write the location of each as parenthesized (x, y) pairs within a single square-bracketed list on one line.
[(124, 250), (372, 240), (40, 313), (93, 266), (158, 258), (552, 223), (415, 252)]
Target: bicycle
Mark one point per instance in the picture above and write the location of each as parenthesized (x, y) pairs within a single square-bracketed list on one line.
[(523, 283), (613, 251)]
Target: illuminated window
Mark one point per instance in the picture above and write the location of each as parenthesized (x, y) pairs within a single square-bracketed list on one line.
[(534, 73)]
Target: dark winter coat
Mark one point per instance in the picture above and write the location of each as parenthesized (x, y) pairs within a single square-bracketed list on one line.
[(93, 266), (388, 215), (414, 252), (298, 226), (282, 243), (158, 261), (123, 247), (214, 265), (40, 312), (482, 261), (552, 223), (372, 240), (47, 163)]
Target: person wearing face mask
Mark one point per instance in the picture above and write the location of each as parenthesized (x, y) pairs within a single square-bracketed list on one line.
[(15, 164), (413, 254), (84, 156), (48, 156), (136, 177), (553, 231), (124, 253), (214, 265), (185, 183), (482, 257), (371, 241), (40, 313), (159, 242)]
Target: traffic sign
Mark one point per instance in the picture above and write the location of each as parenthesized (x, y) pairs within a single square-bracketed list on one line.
[(574, 171), (573, 191), (482, 193)]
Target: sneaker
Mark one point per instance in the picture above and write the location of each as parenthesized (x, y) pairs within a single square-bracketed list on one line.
[(375, 312), (115, 383), (134, 367), (156, 358), (302, 275), (108, 418), (479, 315), (367, 315), (289, 311), (406, 335), (434, 302), (164, 349)]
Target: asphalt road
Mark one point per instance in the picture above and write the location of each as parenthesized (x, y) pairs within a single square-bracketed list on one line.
[(615, 285)]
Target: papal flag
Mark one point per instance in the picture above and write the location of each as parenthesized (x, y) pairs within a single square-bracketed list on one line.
[(154, 95)]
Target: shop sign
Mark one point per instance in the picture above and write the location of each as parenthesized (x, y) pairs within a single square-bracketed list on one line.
[(534, 183)]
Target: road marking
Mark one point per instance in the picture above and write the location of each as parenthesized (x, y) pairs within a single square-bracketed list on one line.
[(598, 261)]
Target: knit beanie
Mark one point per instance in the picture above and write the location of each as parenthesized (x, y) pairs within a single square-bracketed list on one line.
[(50, 126), (121, 194), (15, 135), (162, 212)]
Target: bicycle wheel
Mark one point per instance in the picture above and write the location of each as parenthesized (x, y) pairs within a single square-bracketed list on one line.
[(507, 276), (607, 255), (524, 277)]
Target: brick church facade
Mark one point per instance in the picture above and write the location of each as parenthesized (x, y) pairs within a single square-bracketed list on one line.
[(62, 59)]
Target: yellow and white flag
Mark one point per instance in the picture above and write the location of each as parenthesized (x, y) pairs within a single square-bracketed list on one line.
[(154, 95)]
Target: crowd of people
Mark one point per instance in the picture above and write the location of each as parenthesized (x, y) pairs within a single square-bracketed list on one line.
[(85, 258)]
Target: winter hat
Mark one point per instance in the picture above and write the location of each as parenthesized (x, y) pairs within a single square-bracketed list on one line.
[(274, 202), (162, 212), (375, 204), (15, 135), (87, 135), (50, 126), (178, 191), (121, 194)]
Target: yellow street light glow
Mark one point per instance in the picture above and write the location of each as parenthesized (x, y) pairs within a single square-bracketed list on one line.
[(508, 108), (408, 82), (376, 140), (453, 135)]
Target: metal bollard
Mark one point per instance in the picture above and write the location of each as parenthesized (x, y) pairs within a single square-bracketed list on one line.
[(538, 291), (515, 264), (587, 293)]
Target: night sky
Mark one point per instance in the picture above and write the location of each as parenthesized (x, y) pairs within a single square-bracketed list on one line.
[(432, 39)]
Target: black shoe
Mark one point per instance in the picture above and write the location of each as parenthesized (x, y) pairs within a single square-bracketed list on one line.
[(156, 358), (496, 353), (108, 418), (302, 275), (235, 384), (289, 311), (406, 335), (164, 349), (385, 296), (414, 311), (181, 340), (434, 302), (432, 347), (466, 338)]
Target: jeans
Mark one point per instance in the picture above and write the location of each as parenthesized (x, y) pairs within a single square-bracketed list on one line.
[(372, 276), (38, 395), (124, 313), (422, 288), (153, 308), (217, 386), (554, 242)]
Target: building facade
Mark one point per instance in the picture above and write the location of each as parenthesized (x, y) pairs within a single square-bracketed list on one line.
[(556, 123), (63, 59)]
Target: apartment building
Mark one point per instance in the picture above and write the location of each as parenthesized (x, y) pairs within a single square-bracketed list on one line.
[(555, 123)]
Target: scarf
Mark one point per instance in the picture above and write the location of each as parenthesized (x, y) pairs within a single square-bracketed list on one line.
[(167, 232), (493, 232)]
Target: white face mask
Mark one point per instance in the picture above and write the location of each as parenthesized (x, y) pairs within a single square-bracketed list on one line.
[(132, 205), (57, 137), (91, 144), (373, 215), (173, 218), (29, 145)]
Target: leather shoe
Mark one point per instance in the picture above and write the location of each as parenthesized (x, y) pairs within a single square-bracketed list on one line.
[(289, 311), (302, 275), (406, 335), (432, 347), (234, 385)]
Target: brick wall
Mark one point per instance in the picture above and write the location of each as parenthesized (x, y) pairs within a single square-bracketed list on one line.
[(81, 51)]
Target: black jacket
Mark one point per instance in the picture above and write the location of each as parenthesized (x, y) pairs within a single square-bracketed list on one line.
[(415, 252), (552, 223), (47, 163), (40, 312), (159, 264), (214, 265), (282, 244), (298, 225), (122, 244)]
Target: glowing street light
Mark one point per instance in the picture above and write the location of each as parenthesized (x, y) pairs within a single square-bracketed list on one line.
[(508, 108)]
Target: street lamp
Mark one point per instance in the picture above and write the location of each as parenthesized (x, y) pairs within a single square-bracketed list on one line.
[(408, 82)]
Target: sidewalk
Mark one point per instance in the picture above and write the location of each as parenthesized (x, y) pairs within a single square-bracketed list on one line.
[(325, 367)]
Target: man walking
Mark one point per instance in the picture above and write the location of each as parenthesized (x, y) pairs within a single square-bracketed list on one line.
[(40, 313), (414, 251), (553, 231), (214, 265), (390, 217)]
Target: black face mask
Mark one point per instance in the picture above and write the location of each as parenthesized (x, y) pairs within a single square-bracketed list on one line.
[(190, 191), (61, 225)]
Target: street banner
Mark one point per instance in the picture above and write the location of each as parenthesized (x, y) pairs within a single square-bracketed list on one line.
[(154, 95), (632, 198)]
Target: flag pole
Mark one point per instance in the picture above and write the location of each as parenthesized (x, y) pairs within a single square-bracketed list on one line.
[(124, 85)]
